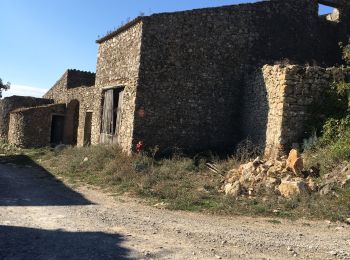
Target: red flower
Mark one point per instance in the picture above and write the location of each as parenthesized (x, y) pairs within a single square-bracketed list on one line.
[(139, 146)]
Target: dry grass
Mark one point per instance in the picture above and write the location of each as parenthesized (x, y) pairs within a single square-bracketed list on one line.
[(182, 183)]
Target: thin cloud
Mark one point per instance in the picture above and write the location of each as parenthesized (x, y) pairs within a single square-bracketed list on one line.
[(22, 90)]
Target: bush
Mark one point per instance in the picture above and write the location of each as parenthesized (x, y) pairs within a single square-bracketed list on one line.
[(335, 129), (334, 104), (332, 148)]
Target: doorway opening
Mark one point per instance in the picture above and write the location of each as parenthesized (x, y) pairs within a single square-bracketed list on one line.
[(71, 123), (87, 128), (111, 115), (57, 127)]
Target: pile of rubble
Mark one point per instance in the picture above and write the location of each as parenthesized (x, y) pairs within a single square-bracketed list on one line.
[(284, 176)]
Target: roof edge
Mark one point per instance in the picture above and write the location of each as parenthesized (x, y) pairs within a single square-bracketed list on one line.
[(120, 29), (24, 109), (81, 71)]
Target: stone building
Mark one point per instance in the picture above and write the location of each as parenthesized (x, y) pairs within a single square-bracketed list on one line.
[(66, 114), (197, 80)]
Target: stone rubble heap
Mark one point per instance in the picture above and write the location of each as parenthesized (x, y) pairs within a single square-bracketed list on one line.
[(284, 176)]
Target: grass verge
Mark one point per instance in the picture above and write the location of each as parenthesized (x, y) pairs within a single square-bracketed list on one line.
[(180, 183)]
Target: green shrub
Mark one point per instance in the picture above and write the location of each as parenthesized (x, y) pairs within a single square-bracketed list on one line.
[(333, 104), (334, 129)]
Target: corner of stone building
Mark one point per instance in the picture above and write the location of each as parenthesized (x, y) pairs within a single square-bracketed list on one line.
[(123, 70)]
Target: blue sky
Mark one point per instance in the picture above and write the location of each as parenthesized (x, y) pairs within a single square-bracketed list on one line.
[(40, 39)]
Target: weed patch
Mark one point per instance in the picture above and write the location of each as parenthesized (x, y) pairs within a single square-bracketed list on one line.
[(180, 183)]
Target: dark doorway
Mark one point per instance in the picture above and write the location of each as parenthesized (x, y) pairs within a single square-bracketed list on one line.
[(71, 123), (57, 126), (111, 116), (87, 128)]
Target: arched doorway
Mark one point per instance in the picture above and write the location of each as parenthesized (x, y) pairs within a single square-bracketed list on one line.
[(71, 123)]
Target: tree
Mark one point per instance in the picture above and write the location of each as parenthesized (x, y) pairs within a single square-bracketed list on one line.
[(3, 86)]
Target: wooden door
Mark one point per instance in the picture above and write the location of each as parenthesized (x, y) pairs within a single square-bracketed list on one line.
[(107, 118), (111, 116)]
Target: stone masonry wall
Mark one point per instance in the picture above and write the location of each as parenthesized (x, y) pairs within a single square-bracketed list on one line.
[(87, 98), (263, 107), (193, 62), (9, 104), (304, 87), (277, 100), (31, 127), (118, 65)]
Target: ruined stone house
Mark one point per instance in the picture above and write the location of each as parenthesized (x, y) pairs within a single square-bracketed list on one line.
[(197, 80)]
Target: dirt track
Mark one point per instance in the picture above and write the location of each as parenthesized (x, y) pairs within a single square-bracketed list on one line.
[(42, 218)]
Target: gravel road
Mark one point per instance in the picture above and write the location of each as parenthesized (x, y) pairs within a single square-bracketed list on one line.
[(44, 218)]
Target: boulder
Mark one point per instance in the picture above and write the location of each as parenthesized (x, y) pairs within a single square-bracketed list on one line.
[(247, 167), (233, 189), (247, 175), (311, 184), (295, 162), (289, 189), (280, 165), (245, 180), (260, 177), (233, 176), (346, 179), (272, 172), (347, 221), (272, 182), (326, 189), (257, 161), (269, 163)]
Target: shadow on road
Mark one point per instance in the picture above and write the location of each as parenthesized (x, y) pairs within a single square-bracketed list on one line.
[(31, 243), (24, 183)]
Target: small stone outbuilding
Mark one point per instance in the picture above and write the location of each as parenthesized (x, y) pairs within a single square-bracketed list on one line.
[(65, 115)]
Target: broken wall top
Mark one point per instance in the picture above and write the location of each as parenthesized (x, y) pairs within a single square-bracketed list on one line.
[(75, 78)]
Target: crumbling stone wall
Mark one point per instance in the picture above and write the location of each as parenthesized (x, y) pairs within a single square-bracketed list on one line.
[(70, 88), (31, 127), (305, 87), (9, 104), (193, 62), (118, 66), (277, 101)]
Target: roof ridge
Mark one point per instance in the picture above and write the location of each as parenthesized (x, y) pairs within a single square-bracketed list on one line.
[(120, 29)]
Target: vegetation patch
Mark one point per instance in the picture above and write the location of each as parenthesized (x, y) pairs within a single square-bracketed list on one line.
[(178, 183)]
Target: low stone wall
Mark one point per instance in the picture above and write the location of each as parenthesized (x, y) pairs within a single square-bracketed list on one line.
[(31, 127), (305, 87), (9, 104), (277, 100)]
